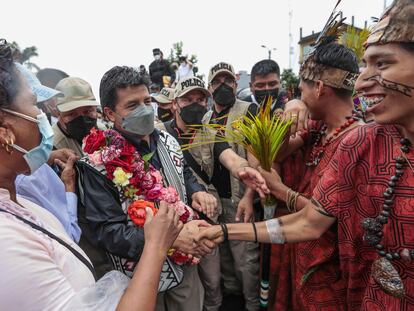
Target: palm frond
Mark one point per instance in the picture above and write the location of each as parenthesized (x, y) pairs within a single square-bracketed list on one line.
[(262, 135)]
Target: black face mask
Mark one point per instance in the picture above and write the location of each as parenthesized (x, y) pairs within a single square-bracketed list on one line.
[(164, 115), (80, 127), (224, 95), (261, 95), (193, 114)]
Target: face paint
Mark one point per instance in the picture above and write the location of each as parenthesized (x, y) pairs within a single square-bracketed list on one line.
[(391, 85)]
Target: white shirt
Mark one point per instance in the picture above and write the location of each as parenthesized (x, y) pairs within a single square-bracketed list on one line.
[(184, 71), (36, 271)]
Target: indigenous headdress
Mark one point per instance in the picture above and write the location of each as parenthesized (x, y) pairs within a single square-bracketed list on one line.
[(334, 77), (395, 25)]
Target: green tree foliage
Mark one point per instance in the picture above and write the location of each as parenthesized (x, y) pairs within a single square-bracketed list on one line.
[(23, 56), (290, 83), (177, 51)]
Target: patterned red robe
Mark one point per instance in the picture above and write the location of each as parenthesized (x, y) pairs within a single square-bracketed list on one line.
[(351, 189), (308, 273)]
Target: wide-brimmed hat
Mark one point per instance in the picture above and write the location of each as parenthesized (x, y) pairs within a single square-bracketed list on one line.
[(77, 93)]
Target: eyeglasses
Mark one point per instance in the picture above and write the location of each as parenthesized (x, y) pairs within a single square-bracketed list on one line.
[(228, 81)]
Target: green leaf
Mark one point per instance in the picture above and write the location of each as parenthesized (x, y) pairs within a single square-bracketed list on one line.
[(147, 157)]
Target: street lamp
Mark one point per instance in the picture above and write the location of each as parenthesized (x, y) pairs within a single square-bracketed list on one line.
[(269, 50)]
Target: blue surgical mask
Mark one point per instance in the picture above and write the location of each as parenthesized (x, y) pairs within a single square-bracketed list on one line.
[(39, 155)]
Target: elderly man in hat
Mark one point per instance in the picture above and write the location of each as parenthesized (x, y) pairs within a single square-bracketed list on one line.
[(77, 114)]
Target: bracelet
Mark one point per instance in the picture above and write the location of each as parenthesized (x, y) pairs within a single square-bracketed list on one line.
[(225, 231), (275, 231), (291, 199), (255, 232)]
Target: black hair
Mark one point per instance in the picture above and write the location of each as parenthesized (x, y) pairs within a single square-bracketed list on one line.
[(10, 82), (263, 68), (117, 78), (408, 46), (338, 56)]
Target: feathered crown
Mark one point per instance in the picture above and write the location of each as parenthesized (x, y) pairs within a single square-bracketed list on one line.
[(334, 77), (395, 25)]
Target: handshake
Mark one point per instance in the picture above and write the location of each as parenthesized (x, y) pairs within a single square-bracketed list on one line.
[(196, 238)]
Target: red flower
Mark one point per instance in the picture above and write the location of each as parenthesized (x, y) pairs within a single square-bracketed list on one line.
[(180, 258), (110, 171), (94, 141), (184, 217), (137, 212), (119, 162)]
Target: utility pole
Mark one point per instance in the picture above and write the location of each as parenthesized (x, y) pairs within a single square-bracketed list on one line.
[(290, 36), (269, 50)]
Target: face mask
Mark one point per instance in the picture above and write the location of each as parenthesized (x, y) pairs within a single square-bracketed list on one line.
[(157, 57), (260, 95), (79, 127), (140, 121), (39, 155), (193, 114), (164, 115), (224, 95)]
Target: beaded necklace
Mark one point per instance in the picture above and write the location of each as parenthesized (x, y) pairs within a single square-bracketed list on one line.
[(318, 151), (382, 269)]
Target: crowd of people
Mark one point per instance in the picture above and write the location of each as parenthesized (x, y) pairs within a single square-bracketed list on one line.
[(120, 204)]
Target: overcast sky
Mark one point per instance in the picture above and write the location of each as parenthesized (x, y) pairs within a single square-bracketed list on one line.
[(85, 38)]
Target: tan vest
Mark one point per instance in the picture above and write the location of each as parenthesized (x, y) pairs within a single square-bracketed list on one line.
[(196, 152), (60, 141), (205, 156)]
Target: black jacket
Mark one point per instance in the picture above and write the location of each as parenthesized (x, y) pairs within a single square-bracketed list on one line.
[(158, 69), (103, 222)]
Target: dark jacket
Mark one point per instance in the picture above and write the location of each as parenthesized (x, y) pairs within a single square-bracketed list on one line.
[(158, 69), (103, 222)]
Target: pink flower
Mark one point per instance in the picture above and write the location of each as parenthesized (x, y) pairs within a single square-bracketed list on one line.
[(96, 158), (157, 175), (154, 193), (110, 153), (147, 182), (170, 195)]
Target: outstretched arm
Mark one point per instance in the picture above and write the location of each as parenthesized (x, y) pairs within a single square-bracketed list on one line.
[(306, 225)]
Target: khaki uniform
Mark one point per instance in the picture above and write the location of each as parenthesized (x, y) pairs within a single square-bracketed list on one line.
[(60, 141), (209, 267), (239, 260)]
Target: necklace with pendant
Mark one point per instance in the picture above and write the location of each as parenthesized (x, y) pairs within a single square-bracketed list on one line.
[(382, 271)]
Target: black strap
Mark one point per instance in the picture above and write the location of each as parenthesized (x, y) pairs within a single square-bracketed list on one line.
[(50, 234)]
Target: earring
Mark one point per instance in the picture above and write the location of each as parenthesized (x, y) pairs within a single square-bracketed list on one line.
[(8, 146)]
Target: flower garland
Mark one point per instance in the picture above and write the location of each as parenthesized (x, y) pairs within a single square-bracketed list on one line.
[(136, 179)]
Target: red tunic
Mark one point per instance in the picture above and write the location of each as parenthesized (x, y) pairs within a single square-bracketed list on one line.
[(323, 288), (351, 189)]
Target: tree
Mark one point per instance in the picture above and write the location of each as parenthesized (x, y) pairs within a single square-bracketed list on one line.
[(23, 56), (177, 51), (290, 82)]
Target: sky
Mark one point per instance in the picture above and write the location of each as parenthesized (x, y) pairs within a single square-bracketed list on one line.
[(86, 38)]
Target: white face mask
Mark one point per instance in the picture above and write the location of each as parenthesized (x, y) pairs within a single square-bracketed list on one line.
[(157, 57), (39, 155)]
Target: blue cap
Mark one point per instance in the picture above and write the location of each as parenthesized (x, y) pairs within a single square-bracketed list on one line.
[(41, 91)]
